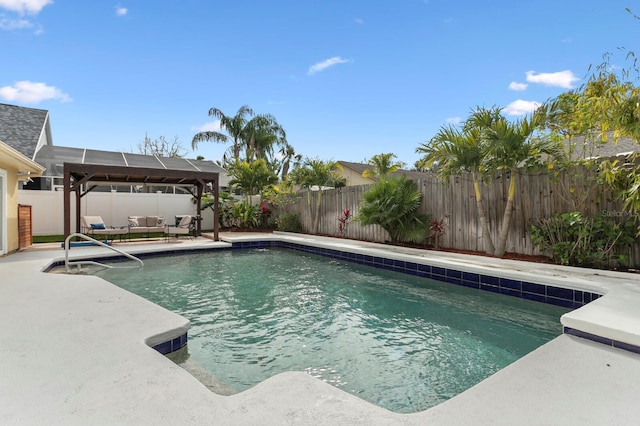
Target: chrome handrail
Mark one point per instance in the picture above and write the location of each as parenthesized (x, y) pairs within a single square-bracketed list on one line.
[(67, 246)]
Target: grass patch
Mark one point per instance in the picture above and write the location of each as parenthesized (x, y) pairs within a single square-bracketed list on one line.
[(47, 239)]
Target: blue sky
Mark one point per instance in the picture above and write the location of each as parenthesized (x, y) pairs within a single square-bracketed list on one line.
[(347, 79)]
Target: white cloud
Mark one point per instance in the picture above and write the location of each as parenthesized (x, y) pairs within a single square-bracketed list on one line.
[(14, 24), (212, 126), (32, 93), (359, 21), (564, 79), (24, 6), (521, 107), (121, 11), (321, 66), (518, 86), (454, 120)]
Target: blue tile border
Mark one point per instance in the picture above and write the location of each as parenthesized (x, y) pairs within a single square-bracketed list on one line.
[(172, 345), (609, 342), (559, 296)]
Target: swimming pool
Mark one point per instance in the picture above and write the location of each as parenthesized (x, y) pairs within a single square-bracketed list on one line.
[(404, 343)]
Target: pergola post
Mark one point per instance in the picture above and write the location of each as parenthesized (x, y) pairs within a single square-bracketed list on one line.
[(97, 174), (66, 201)]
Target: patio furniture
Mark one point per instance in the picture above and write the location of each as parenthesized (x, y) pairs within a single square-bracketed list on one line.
[(183, 227), (95, 226), (146, 224)]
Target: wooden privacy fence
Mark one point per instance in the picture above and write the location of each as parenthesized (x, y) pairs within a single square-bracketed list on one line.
[(538, 195)]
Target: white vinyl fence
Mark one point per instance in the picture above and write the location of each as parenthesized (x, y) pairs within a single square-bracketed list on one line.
[(47, 208)]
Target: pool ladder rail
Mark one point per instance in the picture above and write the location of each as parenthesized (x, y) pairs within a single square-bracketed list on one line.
[(68, 264)]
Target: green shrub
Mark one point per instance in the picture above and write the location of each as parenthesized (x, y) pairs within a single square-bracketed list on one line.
[(393, 204), (571, 239), (289, 222), (244, 216)]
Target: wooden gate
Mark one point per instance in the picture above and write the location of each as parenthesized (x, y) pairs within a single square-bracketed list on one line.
[(24, 226)]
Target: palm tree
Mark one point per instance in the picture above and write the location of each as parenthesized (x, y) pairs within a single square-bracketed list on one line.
[(255, 134), (252, 177), (392, 204), (453, 151), (288, 154), (233, 125), (263, 133), (382, 165), (512, 145), (315, 173)]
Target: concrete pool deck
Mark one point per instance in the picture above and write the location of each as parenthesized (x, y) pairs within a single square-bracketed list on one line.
[(75, 350)]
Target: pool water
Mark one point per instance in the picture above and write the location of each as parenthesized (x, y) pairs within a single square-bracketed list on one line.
[(401, 342)]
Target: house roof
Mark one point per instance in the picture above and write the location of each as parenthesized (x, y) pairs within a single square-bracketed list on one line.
[(53, 157), (360, 168), (609, 148), (356, 167), (21, 128), (26, 167)]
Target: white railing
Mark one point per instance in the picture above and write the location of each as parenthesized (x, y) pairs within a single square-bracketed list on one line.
[(68, 264)]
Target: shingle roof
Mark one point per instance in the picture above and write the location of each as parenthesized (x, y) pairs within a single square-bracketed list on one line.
[(411, 174), (21, 127), (356, 167), (610, 148)]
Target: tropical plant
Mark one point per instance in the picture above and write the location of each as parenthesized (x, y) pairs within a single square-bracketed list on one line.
[(606, 107), (288, 155), (244, 216), (289, 222), (572, 239), (281, 195), (437, 230), (488, 143), (252, 177), (453, 151), (393, 204), (382, 165), (315, 174), (511, 145), (343, 221), (256, 135)]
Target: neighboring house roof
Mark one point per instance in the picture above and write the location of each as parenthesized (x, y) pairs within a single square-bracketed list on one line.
[(53, 158), (356, 167), (360, 168), (609, 148), (24, 129)]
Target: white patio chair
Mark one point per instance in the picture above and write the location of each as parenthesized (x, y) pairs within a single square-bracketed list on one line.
[(183, 228)]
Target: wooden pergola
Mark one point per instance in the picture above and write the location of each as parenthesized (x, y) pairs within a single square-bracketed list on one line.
[(83, 178)]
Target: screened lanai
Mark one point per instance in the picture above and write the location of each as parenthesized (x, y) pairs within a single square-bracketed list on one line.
[(99, 168), (53, 158)]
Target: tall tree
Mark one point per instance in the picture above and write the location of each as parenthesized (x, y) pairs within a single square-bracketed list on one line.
[(235, 126), (511, 145), (255, 135), (288, 155), (382, 165), (487, 143), (161, 147), (315, 173), (453, 151)]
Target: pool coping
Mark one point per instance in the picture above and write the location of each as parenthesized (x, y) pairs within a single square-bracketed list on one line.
[(158, 390)]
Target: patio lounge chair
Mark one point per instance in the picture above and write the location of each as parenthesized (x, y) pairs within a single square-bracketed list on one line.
[(183, 228), (94, 226)]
